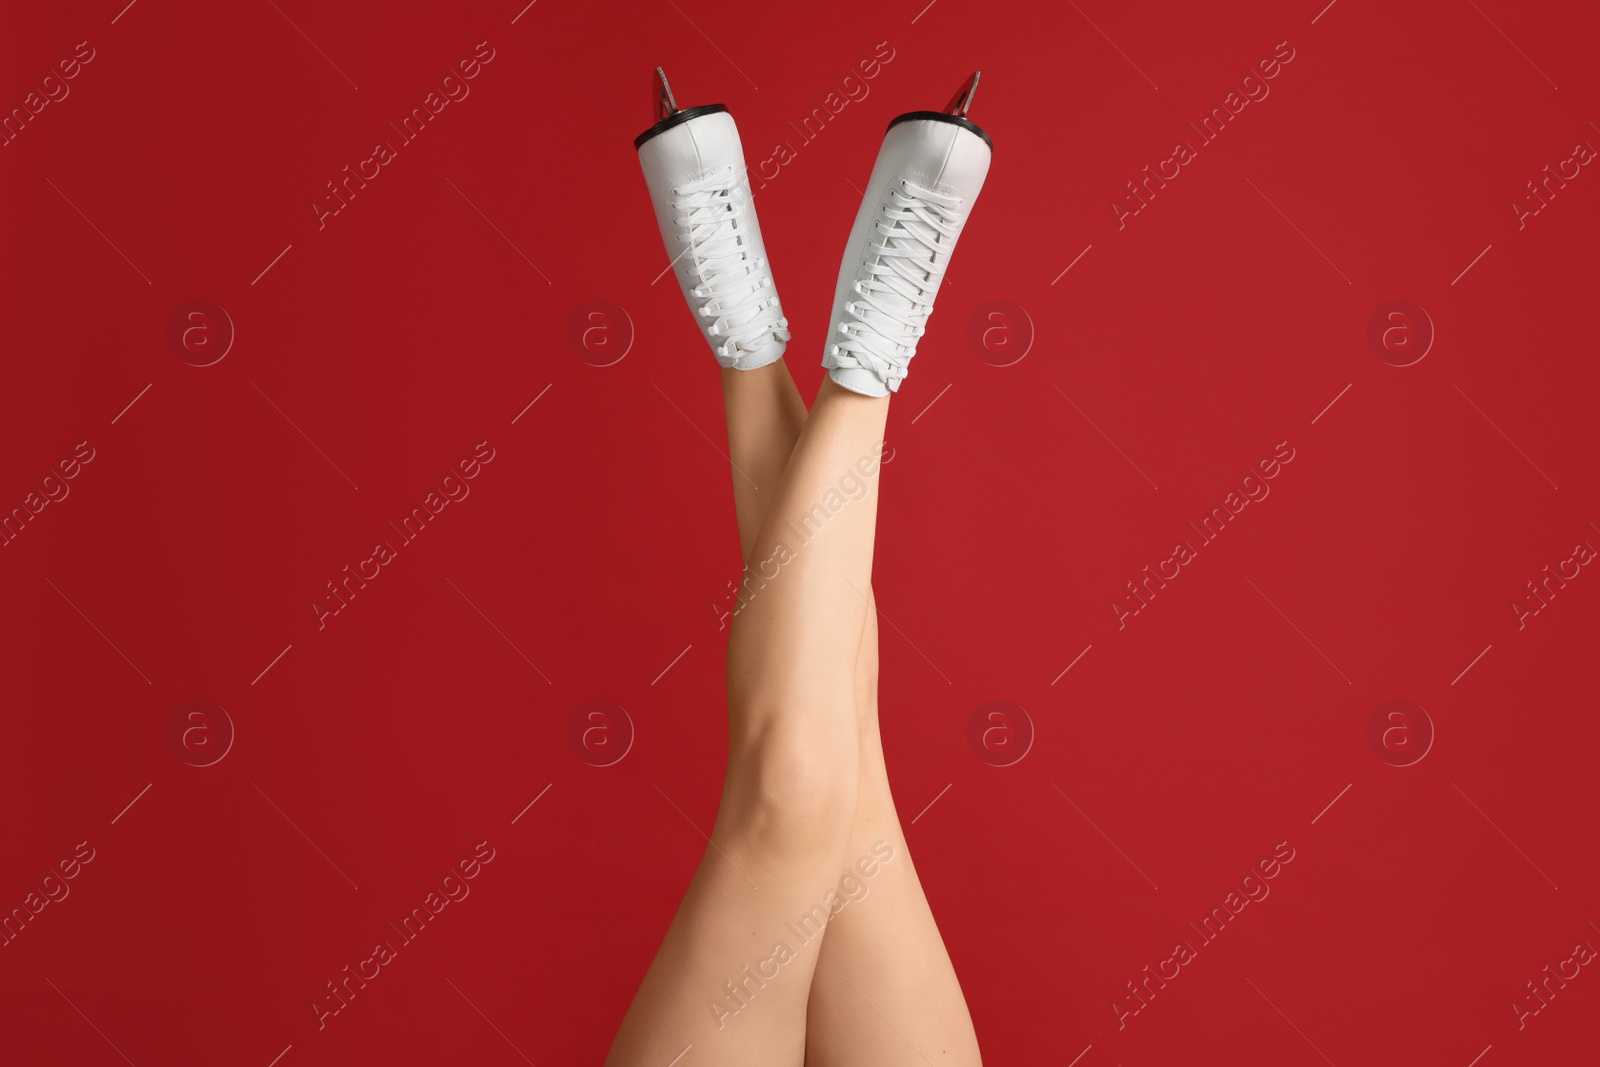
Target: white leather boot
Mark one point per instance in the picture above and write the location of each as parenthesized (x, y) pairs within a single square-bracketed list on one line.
[(694, 165), (929, 171)]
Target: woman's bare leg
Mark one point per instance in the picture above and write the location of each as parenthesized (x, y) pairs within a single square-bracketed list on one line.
[(891, 950), (884, 991), (765, 416), (733, 975)]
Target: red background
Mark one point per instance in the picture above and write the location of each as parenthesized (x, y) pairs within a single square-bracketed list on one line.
[(1177, 752)]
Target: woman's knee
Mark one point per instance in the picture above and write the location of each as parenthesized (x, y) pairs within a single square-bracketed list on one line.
[(793, 786)]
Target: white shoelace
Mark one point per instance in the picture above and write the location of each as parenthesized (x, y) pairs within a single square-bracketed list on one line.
[(733, 283), (894, 300)]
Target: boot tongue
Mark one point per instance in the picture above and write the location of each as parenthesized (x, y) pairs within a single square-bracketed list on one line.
[(737, 282), (924, 258), (918, 260)]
